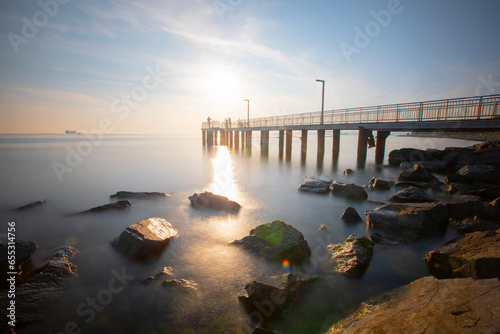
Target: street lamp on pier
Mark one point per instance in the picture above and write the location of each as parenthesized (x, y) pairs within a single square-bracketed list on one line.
[(322, 99), (248, 112)]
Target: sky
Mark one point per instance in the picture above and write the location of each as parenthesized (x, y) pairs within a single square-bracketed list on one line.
[(164, 66)]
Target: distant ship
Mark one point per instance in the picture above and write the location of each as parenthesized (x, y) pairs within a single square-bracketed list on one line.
[(70, 132)]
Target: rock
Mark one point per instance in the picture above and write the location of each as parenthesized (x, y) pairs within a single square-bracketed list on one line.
[(352, 256), (159, 277), (417, 173), (475, 255), (396, 157), (482, 173), (468, 206), (429, 305), (348, 172), (435, 185), (470, 225), (350, 215), (430, 165), (120, 205), (491, 210), (324, 228), (278, 297), (411, 195), (406, 222), (24, 250), (378, 184), (276, 241), (316, 184), (262, 330), (145, 239), (31, 205), (139, 195), (180, 284), (485, 191), (349, 191), (208, 200), (47, 284)]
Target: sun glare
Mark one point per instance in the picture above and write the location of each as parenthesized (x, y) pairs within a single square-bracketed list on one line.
[(221, 85), (223, 182)]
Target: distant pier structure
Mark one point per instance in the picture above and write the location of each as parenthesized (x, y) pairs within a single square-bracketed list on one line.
[(374, 124)]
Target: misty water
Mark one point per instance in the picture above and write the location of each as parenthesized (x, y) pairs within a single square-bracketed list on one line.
[(266, 187)]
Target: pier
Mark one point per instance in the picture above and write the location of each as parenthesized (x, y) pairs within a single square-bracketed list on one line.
[(374, 124)]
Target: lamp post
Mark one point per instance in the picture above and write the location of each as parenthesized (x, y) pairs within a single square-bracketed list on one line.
[(248, 112), (322, 99)]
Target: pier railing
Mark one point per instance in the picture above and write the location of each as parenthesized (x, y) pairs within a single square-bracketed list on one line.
[(458, 109)]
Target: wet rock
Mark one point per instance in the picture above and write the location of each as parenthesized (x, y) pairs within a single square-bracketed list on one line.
[(324, 228), (378, 184), (491, 211), (429, 305), (316, 184), (208, 200), (479, 173), (181, 285), (120, 205), (349, 190), (276, 241), (467, 206), (348, 172), (279, 296), (411, 195), (470, 225), (430, 165), (406, 222), (352, 256), (350, 215), (396, 157), (47, 284), (24, 250), (475, 255), (435, 185), (417, 173), (485, 191), (31, 205), (139, 195), (159, 277), (145, 239)]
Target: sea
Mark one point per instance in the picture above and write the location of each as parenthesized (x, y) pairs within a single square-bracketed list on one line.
[(75, 172)]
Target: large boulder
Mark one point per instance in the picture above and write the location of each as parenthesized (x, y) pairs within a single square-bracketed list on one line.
[(349, 191), (31, 205), (396, 157), (139, 195), (350, 215), (316, 184), (378, 184), (282, 293), (429, 305), (477, 173), (209, 200), (145, 239), (24, 250), (352, 256), (116, 206), (276, 241), (466, 206), (470, 225), (406, 222), (411, 195), (416, 173), (475, 254)]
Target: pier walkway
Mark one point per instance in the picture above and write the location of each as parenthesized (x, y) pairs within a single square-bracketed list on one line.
[(480, 113)]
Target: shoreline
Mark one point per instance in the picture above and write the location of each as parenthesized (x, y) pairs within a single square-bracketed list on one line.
[(473, 136)]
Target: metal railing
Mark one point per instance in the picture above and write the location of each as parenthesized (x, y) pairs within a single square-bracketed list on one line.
[(457, 109)]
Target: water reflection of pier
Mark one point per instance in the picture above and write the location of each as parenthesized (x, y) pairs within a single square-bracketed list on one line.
[(460, 114)]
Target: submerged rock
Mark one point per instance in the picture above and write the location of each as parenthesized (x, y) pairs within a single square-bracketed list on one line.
[(411, 195), (208, 200), (348, 172), (31, 205), (352, 256), (349, 190), (159, 277), (180, 284), (276, 241), (316, 184), (473, 225), (475, 255), (435, 306), (406, 222), (139, 195), (120, 205), (145, 239), (378, 184), (350, 215), (279, 296)]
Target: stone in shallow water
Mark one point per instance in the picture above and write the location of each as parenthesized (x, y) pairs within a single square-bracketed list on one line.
[(276, 241), (411, 195), (31, 205), (145, 239), (350, 215), (120, 205), (352, 256), (349, 190), (209, 200), (139, 195), (316, 184)]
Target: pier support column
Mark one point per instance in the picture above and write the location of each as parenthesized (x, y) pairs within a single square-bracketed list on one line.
[(288, 144), (264, 141), (210, 138), (223, 137), (281, 142), (216, 138), (248, 140), (204, 137), (336, 144), (236, 140), (230, 138), (321, 141), (303, 147), (362, 147), (380, 146)]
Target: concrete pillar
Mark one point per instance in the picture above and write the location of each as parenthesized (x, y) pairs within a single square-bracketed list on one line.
[(303, 140), (264, 141), (281, 142), (362, 147), (210, 138), (336, 144), (248, 141), (380, 146), (321, 141), (230, 138), (288, 144), (204, 137), (236, 140), (223, 137)]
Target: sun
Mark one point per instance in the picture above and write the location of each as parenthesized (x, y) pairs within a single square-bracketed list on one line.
[(221, 85)]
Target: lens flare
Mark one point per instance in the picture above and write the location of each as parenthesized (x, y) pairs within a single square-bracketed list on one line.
[(286, 265)]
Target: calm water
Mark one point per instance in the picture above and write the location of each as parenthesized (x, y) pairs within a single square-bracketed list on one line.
[(266, 186)]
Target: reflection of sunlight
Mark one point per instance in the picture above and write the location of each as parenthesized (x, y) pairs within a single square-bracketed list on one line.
[(223, 182)]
